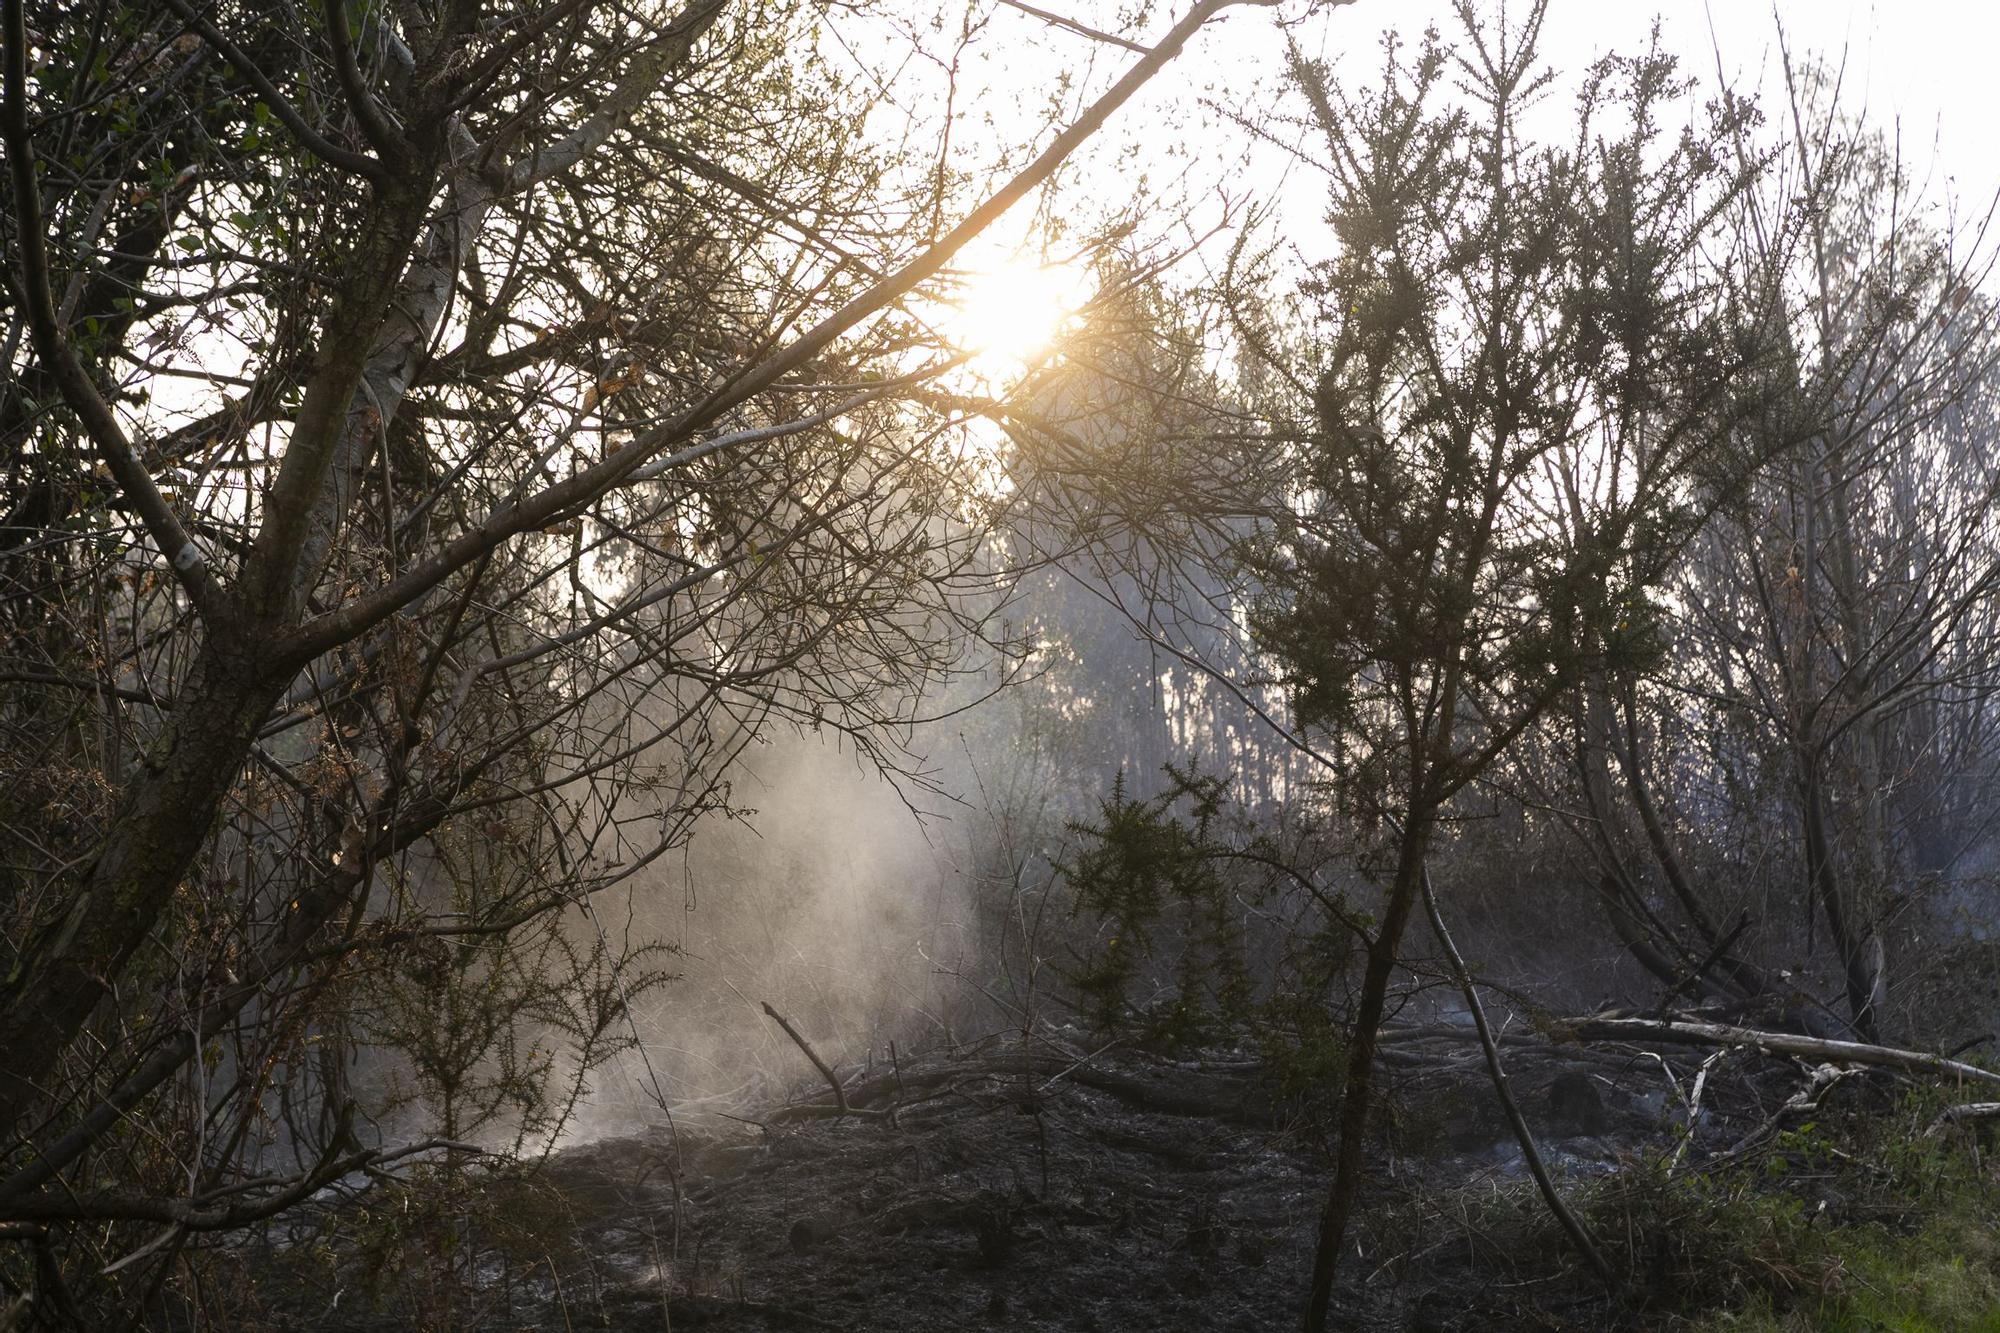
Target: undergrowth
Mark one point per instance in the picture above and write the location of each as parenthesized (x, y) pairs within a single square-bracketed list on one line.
[(1867, 1220), (1863, 1220)]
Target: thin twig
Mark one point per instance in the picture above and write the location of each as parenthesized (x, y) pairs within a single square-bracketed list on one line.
[(1079, 1063), (1701, 969), (1082, 30), (1694, 1108)]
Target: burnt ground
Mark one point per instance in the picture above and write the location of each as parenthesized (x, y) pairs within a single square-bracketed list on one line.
[(1056, 1188)]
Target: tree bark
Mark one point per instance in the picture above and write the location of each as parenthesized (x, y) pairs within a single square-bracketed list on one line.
[(159, 830), (1358, 1091)]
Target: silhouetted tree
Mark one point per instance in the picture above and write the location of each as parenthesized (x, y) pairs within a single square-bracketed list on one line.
[(1524, 381), (428, 427)]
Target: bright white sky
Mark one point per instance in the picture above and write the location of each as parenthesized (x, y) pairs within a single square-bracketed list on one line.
[(1926, 65), (1929, 64)]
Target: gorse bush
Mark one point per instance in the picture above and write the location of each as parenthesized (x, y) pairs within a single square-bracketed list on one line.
[(1203, 929), (1150, 873)]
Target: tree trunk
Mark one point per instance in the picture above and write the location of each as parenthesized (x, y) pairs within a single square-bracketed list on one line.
[(1357, 1094), (168, 809), (1823, 879)]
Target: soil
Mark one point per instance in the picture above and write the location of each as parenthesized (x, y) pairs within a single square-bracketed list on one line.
[(1061, 1188)]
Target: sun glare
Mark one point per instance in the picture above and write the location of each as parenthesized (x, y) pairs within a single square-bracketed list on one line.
[(1009, 315)]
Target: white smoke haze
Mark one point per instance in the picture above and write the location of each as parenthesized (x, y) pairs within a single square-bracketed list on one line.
[(831, 899)]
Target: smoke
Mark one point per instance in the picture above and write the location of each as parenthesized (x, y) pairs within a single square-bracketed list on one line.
[(830, 899)]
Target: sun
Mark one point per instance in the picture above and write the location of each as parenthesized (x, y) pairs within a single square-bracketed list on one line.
[(1011, 314)]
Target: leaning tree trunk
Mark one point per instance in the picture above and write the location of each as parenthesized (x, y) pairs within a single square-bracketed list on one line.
[(1358, 1091), (1531, 1153)]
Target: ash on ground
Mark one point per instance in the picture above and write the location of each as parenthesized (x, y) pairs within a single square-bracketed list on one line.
[(1052, 1186)]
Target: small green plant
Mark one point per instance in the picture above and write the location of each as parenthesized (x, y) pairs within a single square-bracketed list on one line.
[(1859, 1221), (1168, 883), (1151, 872)]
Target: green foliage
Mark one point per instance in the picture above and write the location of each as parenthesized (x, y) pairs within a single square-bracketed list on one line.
[(1932, 1269), (1169, 959), (1150, 874), (1868, 1223), (1524, 376), (1301, 1033), (1859, 1220)]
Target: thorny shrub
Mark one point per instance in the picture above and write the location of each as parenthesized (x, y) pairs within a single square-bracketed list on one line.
[(1204, 931)]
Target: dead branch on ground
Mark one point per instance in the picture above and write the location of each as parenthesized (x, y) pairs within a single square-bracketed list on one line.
[(840, 1106), (1684, 1032)]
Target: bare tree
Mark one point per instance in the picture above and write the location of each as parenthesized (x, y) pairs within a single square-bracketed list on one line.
[(1826, 708)]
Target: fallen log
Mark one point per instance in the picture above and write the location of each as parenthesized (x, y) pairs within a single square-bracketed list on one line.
[(1963, 1114), (1177, 1091), (1641, 1031)]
